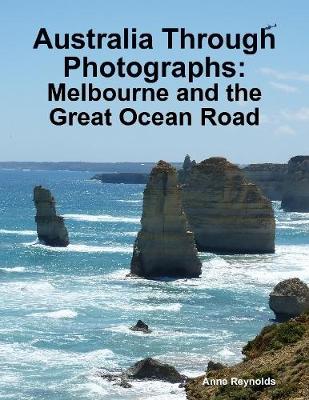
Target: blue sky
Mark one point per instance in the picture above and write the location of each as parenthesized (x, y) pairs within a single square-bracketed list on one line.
[(282, 74)]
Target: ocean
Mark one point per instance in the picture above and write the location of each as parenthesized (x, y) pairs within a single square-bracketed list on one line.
[(66, 312)]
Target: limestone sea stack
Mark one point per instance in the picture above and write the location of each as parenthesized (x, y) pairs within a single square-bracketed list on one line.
[(296, 194), (184, 172), (269, 177), (50, 227), (164, 246), (289, 299), (226, 212)]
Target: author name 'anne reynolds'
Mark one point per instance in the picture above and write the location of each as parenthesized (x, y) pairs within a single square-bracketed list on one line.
[(234, 381)]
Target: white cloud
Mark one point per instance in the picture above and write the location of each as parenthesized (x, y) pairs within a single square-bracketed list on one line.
[(284, 87), (284, 130), (285, 76), (302, 114)]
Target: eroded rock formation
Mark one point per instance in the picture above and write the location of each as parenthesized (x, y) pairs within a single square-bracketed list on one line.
[(140, 326), (215, 366), (296, 194), (184, 172), (150, 368), (269, 177), (50, 227), (226, 212), (289, 298), (164, 246)]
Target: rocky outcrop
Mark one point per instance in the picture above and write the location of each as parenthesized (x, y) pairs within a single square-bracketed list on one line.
[(164, 246), (140, 326), (215, 366), (128, 178), (296, 193), (269, 177), (289, 298), (50, 227), (226, 212), (147, 368), (117, 378), (184, 172), (154, 369), (279, 353)]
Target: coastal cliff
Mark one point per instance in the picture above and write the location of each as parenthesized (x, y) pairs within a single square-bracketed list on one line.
[(276, 362), (50, 227), (226, 212), (269, 177), (296, 193), (164, 246)]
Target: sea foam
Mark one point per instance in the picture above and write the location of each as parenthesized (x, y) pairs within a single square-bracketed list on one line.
[(101, 218), (82, 248), (60, 314), (17, 232), (13, 269)]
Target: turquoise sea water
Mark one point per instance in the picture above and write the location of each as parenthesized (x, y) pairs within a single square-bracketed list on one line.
[(65, 313)]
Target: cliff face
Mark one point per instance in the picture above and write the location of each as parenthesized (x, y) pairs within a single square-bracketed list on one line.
[(269, 177), (227, 213), (50, 227), (279, 353), (296, 194), (164, 246)]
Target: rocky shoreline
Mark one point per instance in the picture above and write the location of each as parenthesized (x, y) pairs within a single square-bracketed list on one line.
[(212, 206), (275, 364), (275, 367)]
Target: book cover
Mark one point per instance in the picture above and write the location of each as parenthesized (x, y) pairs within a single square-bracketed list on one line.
[(154, 200)]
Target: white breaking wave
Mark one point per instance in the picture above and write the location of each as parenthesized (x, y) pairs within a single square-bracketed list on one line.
[(24, 354), (96, 387), (19, 233), (251, 272), (16, 290), (292, 222), (123, 234), (13, 269), (61, 314), (226, 353), (82, 248), (101, 218), (172, 333), (130, 201), (147, 307), (132, 234)]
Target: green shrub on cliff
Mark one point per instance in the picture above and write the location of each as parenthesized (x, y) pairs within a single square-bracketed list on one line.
[(274, 337)]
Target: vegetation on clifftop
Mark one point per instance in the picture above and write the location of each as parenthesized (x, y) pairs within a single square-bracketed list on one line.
[(279, 352)]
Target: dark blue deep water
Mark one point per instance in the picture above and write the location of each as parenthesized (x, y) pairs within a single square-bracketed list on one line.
[(65, 313)]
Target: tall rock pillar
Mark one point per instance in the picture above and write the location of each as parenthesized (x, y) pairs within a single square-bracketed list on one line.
[(164, 246), (50, 227)]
